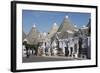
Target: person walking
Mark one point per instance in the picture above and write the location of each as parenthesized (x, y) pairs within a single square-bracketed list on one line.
[(66, 49), (80, 46)]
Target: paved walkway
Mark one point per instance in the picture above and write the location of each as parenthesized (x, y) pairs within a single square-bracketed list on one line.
[(33, 58)]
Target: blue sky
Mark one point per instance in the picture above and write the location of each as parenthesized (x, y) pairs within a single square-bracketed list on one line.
[(45, 19)]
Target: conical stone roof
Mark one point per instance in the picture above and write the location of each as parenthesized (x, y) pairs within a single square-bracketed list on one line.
[(66, 25), (23, 35), (66, 29), (53, 30), (33, 35)]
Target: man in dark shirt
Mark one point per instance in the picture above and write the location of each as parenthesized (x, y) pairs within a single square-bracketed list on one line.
[(80, 46)]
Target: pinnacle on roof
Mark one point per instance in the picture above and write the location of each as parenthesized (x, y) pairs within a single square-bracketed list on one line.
[(66, 16), (84, 26), (34, 26), (44, 33), (55, 24), (75, 26)]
